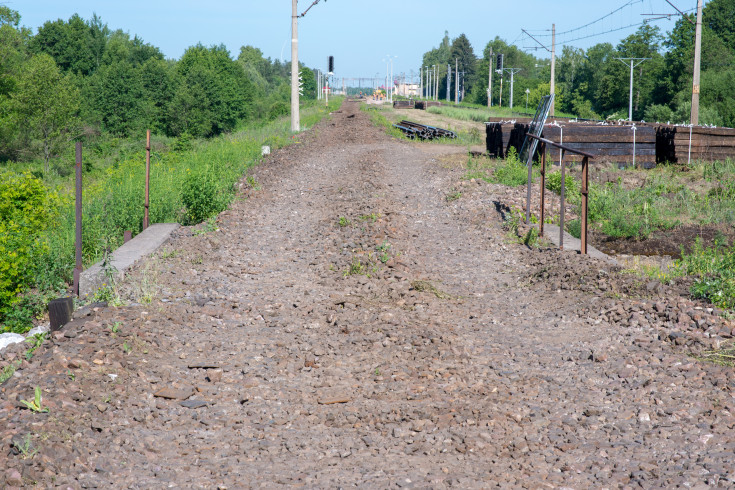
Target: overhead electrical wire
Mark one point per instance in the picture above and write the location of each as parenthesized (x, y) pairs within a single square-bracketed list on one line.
[(596, 34), (627, 4)]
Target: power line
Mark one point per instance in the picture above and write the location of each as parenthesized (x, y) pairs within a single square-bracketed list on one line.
[(602, 33), (627, 4)]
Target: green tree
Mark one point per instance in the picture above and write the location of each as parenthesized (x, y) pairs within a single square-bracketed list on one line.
[(719, 17), (13, 41), (440, 57), (462, 50), (68, 43), (115, 98), (215, 93), (160, 82), (46, 103)]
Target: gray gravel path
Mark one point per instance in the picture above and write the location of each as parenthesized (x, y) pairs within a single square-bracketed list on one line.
[(451, 357)]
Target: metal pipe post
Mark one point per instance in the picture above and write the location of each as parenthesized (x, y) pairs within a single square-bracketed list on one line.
[(561, 203), (584, 192), (543, 186), (146, 204)]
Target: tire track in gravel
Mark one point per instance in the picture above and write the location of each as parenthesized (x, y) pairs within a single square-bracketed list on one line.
[(476, 375)]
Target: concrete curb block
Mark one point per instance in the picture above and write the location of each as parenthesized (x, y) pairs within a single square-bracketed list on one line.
[(126, 256), (551, 233)]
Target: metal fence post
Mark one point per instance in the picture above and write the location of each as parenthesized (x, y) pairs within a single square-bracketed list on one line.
[(561, 202), (146, 220), (585, 181), (543, 184)]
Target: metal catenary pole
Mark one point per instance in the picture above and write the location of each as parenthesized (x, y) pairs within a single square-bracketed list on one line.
[(456, 82), (630, 97), (512, 72), (421, 82), (490, 80), (449, 81)]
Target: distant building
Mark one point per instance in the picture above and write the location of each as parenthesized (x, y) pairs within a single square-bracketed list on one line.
[(407, 89)]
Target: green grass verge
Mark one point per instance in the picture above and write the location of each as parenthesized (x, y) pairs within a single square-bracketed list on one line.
[(190, 182)]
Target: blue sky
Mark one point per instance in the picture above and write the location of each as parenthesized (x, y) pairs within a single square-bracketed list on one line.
[(358, 34)]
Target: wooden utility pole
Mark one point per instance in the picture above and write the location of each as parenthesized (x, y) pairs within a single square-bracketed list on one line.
[(552, 84), (490, 80), (697, 61), (295, 122)]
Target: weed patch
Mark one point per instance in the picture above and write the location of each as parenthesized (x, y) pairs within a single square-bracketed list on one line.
[(724, 356), (426, 286)]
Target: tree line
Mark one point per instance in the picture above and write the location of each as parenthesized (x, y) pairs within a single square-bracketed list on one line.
[(593, 84), (79, 77)]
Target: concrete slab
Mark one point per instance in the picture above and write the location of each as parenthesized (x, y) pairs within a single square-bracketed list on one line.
[(551, 233), (126, 256)]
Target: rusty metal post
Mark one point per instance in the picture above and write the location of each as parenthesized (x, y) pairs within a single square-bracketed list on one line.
[(585, 181), (78, 216), (561, 202), (543, 183), (147, 177)]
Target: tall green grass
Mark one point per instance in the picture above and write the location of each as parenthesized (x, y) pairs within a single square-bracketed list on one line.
[(662, 203), (203, 177), (510, 171), (481, 114)]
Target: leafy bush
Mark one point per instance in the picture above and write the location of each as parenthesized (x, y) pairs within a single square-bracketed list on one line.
[(200, 195), (27, 208), (715, 269), (572, 187), (513, 172), (658, 113), (574, 228), (278, 109)]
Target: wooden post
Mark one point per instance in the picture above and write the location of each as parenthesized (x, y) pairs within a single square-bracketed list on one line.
[(146, 220), (585, 181), (78, 216), (543, 184)]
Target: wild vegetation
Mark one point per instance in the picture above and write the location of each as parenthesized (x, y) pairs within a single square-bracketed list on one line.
[(79, 80), (592, 84)]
